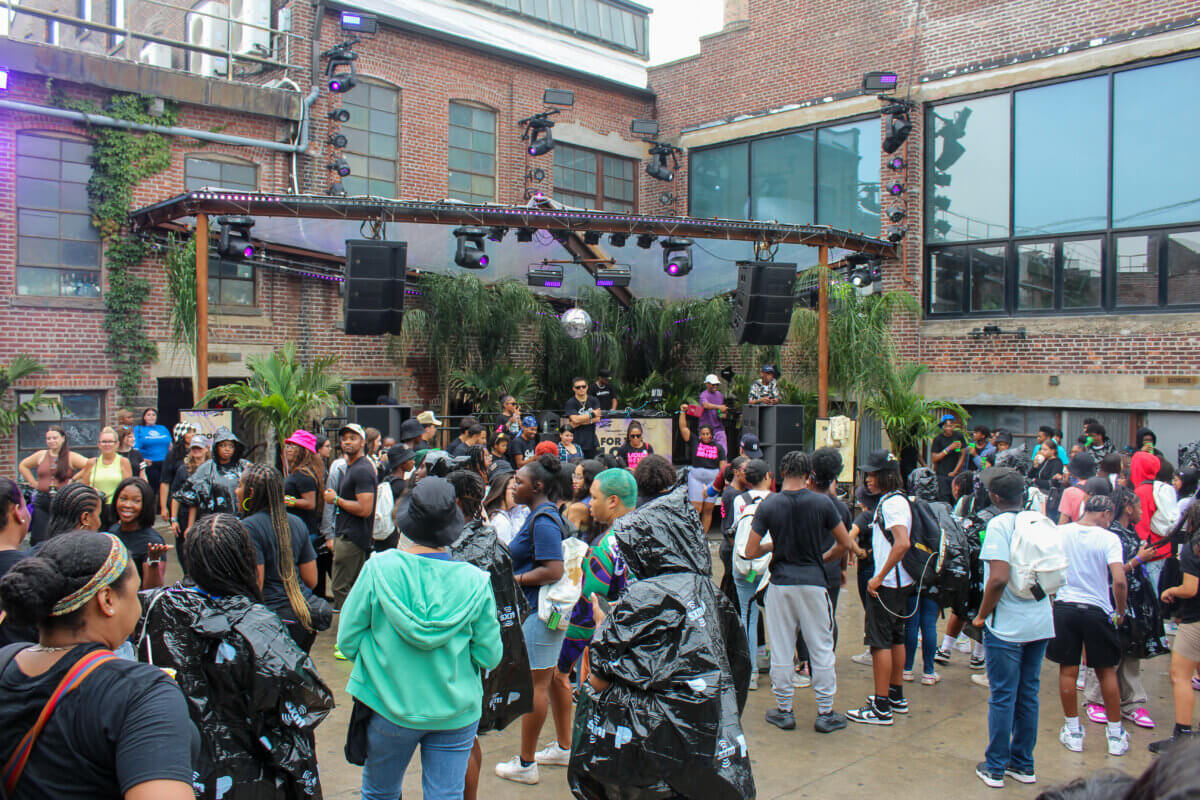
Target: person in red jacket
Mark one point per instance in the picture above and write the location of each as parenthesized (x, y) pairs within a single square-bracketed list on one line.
[(1143, 470)]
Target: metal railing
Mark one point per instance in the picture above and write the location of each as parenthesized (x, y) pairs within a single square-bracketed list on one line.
[(125, 36)]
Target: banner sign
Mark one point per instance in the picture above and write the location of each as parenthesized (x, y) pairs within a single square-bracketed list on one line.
[(657, 432), (207, 419)]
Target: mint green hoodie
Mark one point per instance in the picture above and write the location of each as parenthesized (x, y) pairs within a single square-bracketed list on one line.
[(419, 631)]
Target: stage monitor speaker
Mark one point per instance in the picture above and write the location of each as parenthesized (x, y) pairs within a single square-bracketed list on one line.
[(781, 425), (762, 306), (374, 293), (773, 453)]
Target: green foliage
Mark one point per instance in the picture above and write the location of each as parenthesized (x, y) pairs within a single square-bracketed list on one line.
[(908, 416), (482, 388), (282, 393), (561, 358), (677, 390), (179, 264), (121, 160), (13, 413)]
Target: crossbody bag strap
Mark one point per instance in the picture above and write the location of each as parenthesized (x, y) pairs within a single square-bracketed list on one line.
[(75, 676)]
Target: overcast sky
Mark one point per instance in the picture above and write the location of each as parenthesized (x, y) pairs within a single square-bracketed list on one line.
[(677, 25)]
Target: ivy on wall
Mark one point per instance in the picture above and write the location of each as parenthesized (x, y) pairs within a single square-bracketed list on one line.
[(121, 160)]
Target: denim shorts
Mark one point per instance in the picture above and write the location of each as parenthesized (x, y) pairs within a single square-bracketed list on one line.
[(542, 644)]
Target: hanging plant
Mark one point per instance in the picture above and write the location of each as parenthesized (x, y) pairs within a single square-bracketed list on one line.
[(120, 161)]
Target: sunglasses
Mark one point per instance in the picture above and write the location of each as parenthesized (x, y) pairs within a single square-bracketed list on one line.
[(581, 386), (635, 436)]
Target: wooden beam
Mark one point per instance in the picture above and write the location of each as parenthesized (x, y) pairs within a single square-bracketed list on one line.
[(201, 310), (823, 335)]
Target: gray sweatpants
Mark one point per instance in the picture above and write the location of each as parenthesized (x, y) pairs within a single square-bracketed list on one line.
[(805, 610)]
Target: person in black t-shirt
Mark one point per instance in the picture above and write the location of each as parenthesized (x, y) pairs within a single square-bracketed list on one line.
[(583, 412), (354, 513), (635, 447), (521, 448), (708, 460), (133, 502), (799, 521), (14, 525), (124, 731), (948, 454), (1184, 600), (604, 391)]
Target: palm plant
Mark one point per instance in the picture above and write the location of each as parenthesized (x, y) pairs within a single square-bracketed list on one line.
[(561, 358), (908, 417), (482, 388), (179, 265), (283, 394), (13, 413)]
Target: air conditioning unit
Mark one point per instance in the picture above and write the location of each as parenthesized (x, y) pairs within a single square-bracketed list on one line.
[(208, 25), (255, 41), (156, 55)]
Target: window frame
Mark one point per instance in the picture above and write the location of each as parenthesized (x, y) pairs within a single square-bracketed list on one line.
[(814, 129), (589, 20), (59, 212), (1108, 236), (599, 157), (223, 159), (43, 416), (370, 80), (474, 106)]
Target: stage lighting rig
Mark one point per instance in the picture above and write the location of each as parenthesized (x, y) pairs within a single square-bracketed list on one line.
[(339, 115), (677, 256), (234, 240), (469, 252), (537, 128), (613, 275), (339, 165), (545, 274), (657, 167)]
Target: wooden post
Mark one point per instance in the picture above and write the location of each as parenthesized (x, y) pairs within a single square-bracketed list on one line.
[(823, 335), (201, 386)]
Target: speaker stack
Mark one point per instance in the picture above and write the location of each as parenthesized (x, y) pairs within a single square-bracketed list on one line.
[(374, 298), (780, 430), (762, 306)]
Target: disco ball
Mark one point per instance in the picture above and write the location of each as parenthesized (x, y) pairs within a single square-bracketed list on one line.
[(576, 323)]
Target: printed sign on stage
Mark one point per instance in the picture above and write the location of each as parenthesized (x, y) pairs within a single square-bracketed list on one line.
[(657, 433)]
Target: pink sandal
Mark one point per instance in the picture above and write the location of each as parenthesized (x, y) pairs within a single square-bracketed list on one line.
[(1139, 717), (1096, 713)]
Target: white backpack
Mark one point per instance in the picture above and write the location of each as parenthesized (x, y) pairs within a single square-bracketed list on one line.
[(1037, 558), (742, 566), (384, 503), (1166, 509)]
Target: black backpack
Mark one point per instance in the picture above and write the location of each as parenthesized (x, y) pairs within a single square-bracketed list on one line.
[(921, 561)]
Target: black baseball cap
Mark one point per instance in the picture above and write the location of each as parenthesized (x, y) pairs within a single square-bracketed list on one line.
[(750, 446), (1003, 481), (878, 461)]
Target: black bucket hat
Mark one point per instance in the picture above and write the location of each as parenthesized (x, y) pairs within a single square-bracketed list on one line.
[(430, 515), (878, 461)]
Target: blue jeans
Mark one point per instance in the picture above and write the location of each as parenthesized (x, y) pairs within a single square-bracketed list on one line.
[(444, 756), (750, 611), (925, 621), (1013, 670)]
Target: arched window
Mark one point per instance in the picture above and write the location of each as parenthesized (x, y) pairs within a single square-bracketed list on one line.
[(58, 248)]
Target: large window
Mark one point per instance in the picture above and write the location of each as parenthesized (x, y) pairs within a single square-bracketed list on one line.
[(828, 175), (372, 139), (610, 21), (201, 171), (472, 153), (1072, 196), (58, 249), (81, 416), (592, 180)]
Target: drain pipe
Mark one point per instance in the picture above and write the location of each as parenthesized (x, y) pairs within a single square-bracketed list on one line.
[(300, 145)]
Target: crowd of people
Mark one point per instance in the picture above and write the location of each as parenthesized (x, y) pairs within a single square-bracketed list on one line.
[(495, 574)]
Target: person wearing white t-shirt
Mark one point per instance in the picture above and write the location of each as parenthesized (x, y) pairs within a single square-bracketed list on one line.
[(1084, 617), (888, 591)]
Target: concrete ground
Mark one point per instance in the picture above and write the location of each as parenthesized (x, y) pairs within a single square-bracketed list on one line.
[(934, 749)]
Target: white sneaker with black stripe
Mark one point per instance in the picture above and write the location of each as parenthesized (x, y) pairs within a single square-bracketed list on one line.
[(870, 714)]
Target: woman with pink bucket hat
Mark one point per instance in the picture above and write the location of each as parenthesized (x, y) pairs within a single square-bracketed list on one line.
[(304, 497)]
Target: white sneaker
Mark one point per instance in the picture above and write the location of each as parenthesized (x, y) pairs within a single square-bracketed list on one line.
[(1073, 740), (930, 678), (980, 679), (552, 756), (1118, 745), (753, 681), (865, 658), (907, 675), (963, 644), (800, 680), (512, 770), (1079, 683)]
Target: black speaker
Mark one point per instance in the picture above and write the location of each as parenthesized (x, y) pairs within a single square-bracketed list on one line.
[(374, 297), (782, 425), (762, 306), (385, 419), (773, 453)]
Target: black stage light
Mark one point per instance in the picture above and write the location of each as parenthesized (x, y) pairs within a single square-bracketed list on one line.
[(524, 234), (897, 215), (469, 252), (344, 82), (657, 167), (677, 256), (896, 163), (337, 140), (880, 82), (339, 115), (895, 233), (234, 240), (613, 275), (558, 97), (542, 142), (645, 240), (496, 233), (339, 165), (336, 189), (898, 128), (618, 239), (591, 237), (548, 275), (896, 189)]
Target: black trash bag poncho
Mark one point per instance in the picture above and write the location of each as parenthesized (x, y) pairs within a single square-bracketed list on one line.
[(253, 694), (507, 689), (676, 658)]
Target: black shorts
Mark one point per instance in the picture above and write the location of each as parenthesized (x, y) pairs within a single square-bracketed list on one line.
[(1078, 626), (885, 622)]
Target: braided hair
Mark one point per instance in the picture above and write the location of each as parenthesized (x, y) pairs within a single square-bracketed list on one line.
[(220, 558), (69, 505), (475, 460), (468, 490), (262, 490)]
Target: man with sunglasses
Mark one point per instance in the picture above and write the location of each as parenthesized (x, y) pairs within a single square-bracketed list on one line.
[(583, 412)]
